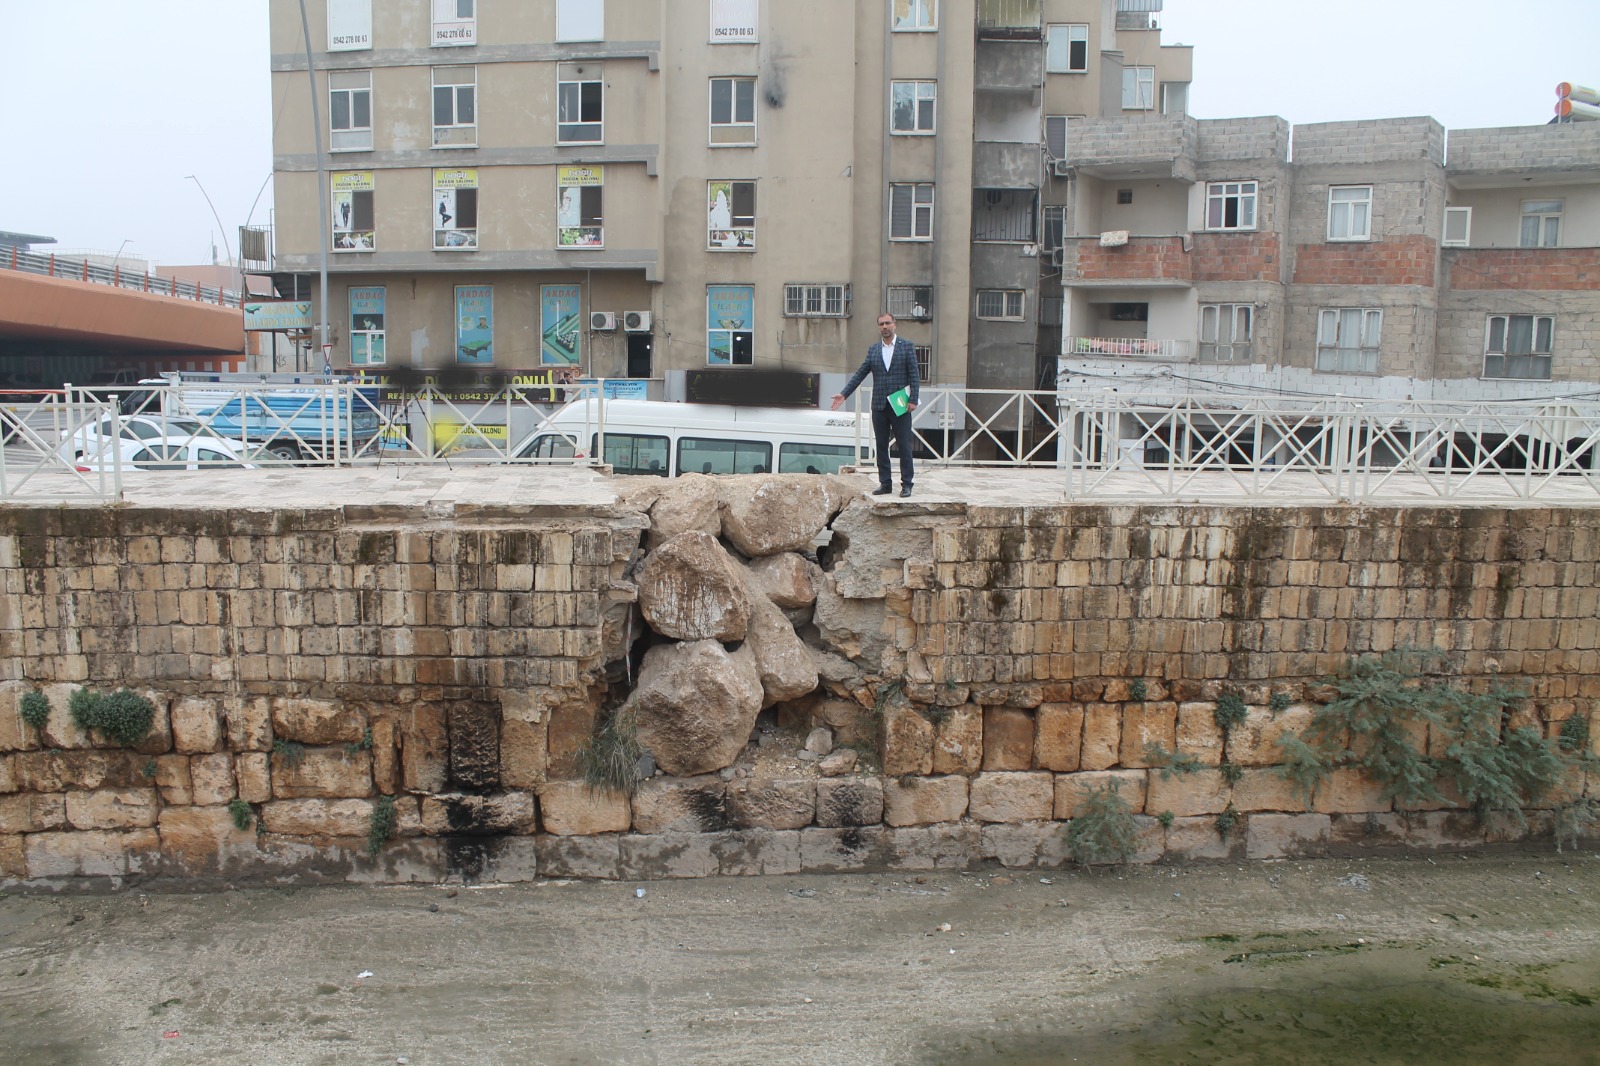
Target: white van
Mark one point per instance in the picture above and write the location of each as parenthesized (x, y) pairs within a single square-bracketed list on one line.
[(668, 439)]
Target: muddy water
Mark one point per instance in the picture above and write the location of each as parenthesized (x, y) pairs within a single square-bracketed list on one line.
[(1391, 1005)]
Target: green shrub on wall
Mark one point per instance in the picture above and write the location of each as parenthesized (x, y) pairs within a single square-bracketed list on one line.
[(1103, 830), (1385, 704), (123, 717), (35, 708)]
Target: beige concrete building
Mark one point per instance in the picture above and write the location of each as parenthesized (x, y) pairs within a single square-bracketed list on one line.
[(645, 187), (662, 188)]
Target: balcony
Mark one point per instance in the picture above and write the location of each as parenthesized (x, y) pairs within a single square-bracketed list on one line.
[(1141, 261), (1149, 147), (1010, 20), (1163, 351), (1551, 154)]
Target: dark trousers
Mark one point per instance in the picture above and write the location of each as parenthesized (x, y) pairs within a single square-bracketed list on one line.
[(884, 423)]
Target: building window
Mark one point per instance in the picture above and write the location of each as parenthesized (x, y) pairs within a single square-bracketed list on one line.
[(1000, 304), (455, 210), (455, 107), (1174, 98), (730, 325), (731, 215), (733, 111), (580, 20), (1138, 88), (1231, 205), (1519, 346), (816, 301), (350, 110), (1350, 213), (1008, 215), (580, 103), (1066, 49), (1541, 224), (1457, 227), (580, 207), (1225, 332), (1347, 340), (1055, 227), (1055, 136), (455, 23), (924, 363), (352, 211), (914, 15), (911, 212), (366, 326), (911, 303), (911, 106)]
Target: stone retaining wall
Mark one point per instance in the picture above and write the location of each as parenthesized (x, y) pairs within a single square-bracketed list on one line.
[(979, 670)]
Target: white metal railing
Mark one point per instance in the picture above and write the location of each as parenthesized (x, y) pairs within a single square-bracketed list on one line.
[(34, 468), (1103, 446), (51, 265), (1131, 347), (1186, 447)]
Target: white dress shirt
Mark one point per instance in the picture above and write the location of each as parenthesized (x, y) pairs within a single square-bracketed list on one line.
[(888, 352)]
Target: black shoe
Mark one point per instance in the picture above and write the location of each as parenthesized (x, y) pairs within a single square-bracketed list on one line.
[(883, 490), (906, 491)]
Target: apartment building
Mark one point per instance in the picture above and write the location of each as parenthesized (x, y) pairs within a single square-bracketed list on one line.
[(1386, 259), (641, 188)]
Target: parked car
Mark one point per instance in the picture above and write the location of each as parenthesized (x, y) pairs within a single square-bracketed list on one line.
[(91, 439), (166, 453)]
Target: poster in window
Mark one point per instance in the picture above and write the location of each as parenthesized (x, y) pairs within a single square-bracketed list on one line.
[(560, 328), (730, 324), (475, 325), (349, 25), (734, 21), (455, 209), (454, 23), (352, 210), (366, 326), (730, 221), (578, 207)]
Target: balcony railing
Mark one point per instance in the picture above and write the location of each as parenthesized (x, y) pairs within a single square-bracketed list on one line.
[(1010, 20), (1130, 348), (54, 266)]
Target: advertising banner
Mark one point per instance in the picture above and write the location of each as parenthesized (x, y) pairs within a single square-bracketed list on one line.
[(454, 23), (277, 314), (455, 211), (475, 325), (349, 25), (560, 328), (733, 21), (366, 326), (730, 321)]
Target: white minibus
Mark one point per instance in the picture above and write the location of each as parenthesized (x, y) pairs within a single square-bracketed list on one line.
[(667, 439)]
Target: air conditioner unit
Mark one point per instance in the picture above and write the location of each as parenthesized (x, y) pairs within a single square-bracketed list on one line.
[(1058, 257), (636, 321), (603, 321), (1064, 169)]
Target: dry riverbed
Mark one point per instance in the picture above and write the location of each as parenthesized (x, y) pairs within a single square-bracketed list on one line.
[(1483, 958)]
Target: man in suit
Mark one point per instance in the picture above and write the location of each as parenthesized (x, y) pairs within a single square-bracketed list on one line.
[(893, 366)]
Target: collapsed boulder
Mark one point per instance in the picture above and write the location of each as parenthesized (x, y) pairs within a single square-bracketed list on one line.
[(687, 504), (786, 579), (783, 661), (775, 513), (690, 588), (695, 705)]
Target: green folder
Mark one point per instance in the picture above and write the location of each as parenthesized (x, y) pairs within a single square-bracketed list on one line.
[(900, 402)]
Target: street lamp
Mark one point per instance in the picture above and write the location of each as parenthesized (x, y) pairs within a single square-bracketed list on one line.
[(116, 279), (221, 228)]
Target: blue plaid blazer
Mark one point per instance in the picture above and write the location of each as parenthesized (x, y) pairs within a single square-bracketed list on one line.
[(902, 373)]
